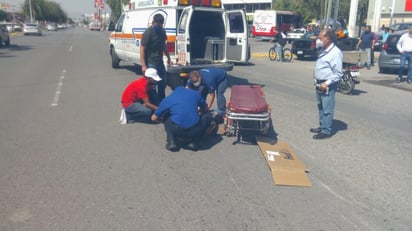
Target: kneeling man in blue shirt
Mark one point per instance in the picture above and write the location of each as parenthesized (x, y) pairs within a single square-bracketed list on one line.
[(183, 110)]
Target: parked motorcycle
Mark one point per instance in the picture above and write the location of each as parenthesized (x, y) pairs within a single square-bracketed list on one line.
[(350, 78)]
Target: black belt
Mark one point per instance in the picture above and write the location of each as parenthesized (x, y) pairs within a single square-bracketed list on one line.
[(319, 81)]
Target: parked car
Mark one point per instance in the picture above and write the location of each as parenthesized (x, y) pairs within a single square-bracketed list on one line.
[(401, 26), (95, 26), (306, 46), (31, 29), (295, 34), (51, 27), (389, 58), (4, 36)]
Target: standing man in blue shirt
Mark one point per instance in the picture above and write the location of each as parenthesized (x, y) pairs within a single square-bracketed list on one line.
[(328, 72), (211, 83), (367, 43), (183, 120)]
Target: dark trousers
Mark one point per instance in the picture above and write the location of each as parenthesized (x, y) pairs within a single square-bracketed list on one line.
[(161, 85), (195, 132)]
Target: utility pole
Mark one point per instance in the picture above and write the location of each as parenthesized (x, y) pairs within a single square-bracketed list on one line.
[(392, 10), (335, 15), (377, 15), (31, 14), (353, 12), (328, 13)]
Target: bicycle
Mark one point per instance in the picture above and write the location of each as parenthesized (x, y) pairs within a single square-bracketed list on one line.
[(273, 54)]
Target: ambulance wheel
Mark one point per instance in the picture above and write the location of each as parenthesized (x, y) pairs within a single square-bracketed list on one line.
[(115, 59)]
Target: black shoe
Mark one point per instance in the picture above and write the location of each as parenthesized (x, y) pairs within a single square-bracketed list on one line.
[(399, 80), (192, 146), (171, 146), (315, 130), (321, 136)]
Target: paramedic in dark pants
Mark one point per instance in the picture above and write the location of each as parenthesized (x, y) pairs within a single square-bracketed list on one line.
[(328, 72), (180, 113), (152, 48), (211, 82)]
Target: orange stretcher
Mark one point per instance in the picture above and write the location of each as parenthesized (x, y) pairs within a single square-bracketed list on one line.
[(247, 110)]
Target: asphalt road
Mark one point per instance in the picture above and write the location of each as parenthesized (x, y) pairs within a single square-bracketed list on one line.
[(67, 164)]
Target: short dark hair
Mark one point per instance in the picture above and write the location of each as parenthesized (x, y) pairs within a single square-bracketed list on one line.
[(330, 34), (158, 18), (174, 80)]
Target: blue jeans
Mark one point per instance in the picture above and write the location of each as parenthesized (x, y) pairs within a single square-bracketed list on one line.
[(137, 112), (220, 96), (161, 85), (326, 107), (279, 50), (368, 50), (406, 56)]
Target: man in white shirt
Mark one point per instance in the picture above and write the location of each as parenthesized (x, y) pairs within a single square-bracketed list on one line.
[(404, 46)]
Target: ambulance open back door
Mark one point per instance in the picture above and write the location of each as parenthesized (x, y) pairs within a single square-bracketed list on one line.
[(237, 45)]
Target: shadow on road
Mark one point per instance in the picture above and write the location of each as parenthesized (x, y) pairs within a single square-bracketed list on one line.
[(338, 126)]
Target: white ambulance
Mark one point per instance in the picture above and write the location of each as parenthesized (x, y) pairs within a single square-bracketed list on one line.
[(200, 34)]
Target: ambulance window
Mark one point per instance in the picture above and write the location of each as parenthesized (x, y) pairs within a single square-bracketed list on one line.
[(236, 23), (183, 23), (119, 25)]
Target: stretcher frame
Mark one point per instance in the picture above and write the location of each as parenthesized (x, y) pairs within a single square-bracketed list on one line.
[(236, 121)]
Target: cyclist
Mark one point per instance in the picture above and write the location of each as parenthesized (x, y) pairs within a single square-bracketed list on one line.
[(279, 38)]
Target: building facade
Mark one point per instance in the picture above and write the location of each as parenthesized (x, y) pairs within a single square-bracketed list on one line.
[(388, 12)]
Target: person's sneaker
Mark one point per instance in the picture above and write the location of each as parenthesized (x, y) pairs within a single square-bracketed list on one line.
[(315, 130), (398, 79), (192, 146), (409, 81), (321, 136), (171, 146)]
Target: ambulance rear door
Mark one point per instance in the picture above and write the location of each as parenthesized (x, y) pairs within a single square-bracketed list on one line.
[(236, 36), (183, 36)]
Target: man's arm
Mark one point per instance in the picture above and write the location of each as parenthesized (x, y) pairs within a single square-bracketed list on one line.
[(147, 103), (166, 52), (211, 99), (143, 58)]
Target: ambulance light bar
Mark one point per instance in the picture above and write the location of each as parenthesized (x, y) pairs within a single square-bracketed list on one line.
[(206, 3)]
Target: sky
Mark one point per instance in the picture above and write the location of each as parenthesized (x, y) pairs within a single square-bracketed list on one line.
[(73, 8)]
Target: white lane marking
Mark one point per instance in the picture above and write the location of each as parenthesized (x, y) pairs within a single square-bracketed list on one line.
[(71, 49), (59, 86)]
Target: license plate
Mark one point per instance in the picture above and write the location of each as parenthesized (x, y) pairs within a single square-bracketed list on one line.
[(300, 52), (355, 73), (396, 60)]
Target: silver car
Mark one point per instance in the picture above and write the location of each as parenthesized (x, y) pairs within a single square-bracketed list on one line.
[(31, 29), (389, 57)]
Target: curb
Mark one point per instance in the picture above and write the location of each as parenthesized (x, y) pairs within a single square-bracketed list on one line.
[(259, 55)]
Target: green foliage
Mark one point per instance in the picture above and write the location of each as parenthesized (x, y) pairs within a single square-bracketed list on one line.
[(44, 10), (3, 15), (314, 9), (115, 7)]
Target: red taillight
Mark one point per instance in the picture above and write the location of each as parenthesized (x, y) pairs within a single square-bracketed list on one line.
[(165, 2), (313, 45), (384, 46), (354, 68), (171, 47)]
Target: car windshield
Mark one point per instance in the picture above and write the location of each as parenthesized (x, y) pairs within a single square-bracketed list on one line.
[(311, 34), (401, 26)]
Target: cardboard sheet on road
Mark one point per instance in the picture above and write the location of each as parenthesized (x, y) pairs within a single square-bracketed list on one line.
[(285, 166)]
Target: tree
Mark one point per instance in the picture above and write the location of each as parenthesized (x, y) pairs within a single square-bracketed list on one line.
[(116, 9), (3, 15), (43, 10), (314, 9)]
